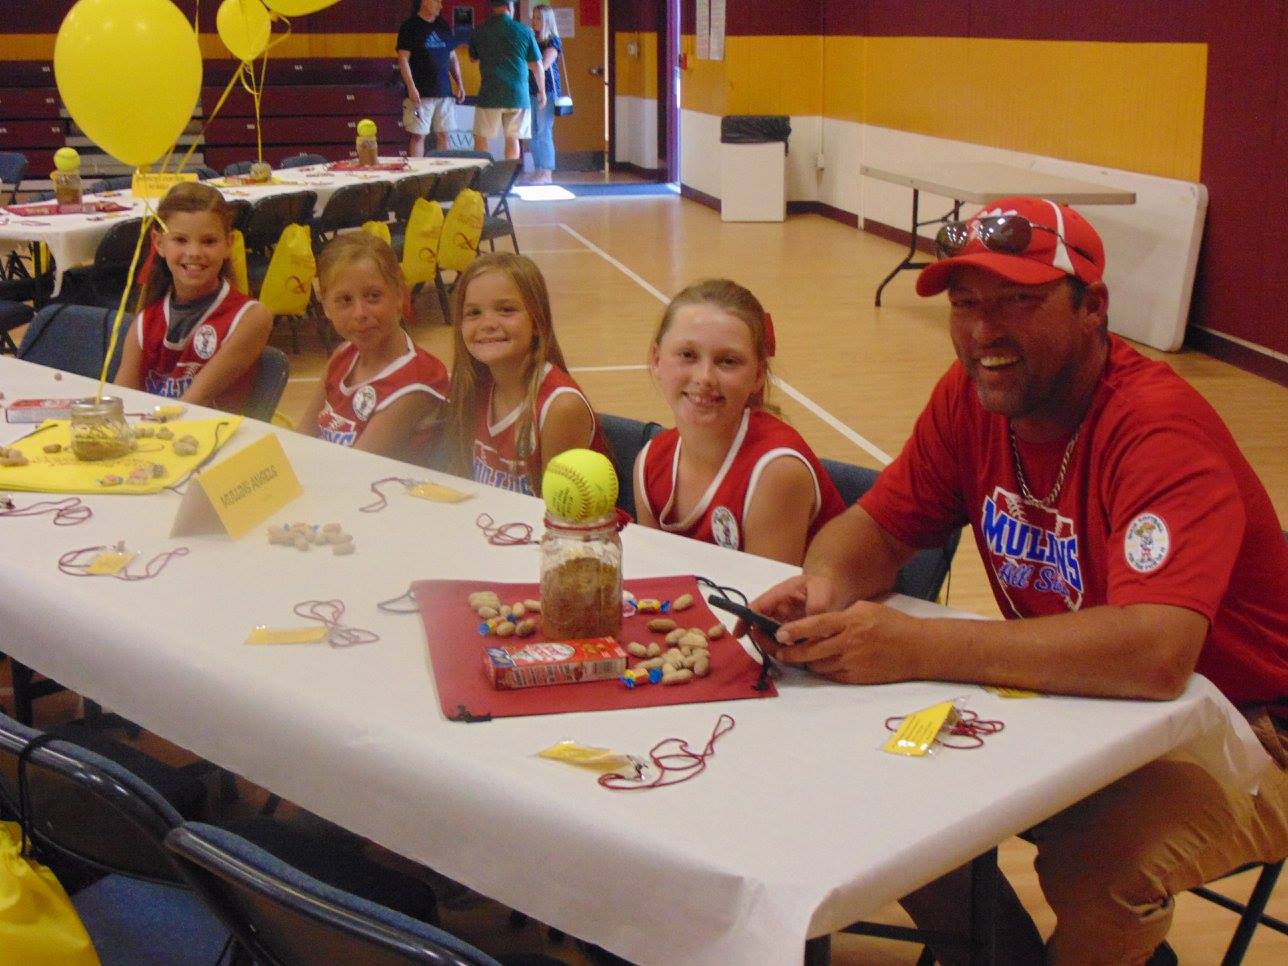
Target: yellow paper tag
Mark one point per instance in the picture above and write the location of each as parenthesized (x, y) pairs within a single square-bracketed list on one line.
[(920, 729), (249, 486), (110, 563), (151, 184), (1012, 692), (586, 756), (286, 635), (437, 493), (163, 414)]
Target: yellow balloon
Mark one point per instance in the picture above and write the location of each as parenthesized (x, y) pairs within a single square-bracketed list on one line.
[(298, 8), (244, 27), (129, 72)]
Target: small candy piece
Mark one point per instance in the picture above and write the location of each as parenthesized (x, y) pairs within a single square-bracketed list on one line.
[(140, 474), (342, 549), (648, 605), (661, 625), (683, 602), (627, 681), (715, 632), (702, 667), (164, 432), (52, 447), (655, 675), (654, 649), (110, 480), (494, 624), (533, 605), (636, 650), (318, 537), (525, 627)]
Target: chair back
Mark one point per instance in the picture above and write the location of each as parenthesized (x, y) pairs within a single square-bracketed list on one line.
[(112, 260), (237, 168), (13, 168), (270, 214), (407, 191), (87, 807), (119, 182), (350, 206), (241, 213), (923, 575), (300, 160), (73, 338), (626, 437), (282, 916), (451, 183), (203, 172), (496, 180), (270, 382)]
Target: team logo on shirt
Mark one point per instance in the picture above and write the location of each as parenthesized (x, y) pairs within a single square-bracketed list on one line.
[(1146, 543), (364, 402), (205, 341), (335, 428), (724, 528), (1031, 549), (174, 384)]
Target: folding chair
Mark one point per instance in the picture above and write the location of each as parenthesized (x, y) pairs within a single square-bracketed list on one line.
[(300, 160), (118, 183), (270, 381), (13, 168), (407, 191), (266, 219), (451, 183), (73, 338), (1252, 913), (924, 574), (626, 437), (283, 916), (495, 182), (237, 168), (349, 207), (13, 315), (101, 282)]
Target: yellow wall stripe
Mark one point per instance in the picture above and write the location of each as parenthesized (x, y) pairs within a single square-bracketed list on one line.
[(637, 75)]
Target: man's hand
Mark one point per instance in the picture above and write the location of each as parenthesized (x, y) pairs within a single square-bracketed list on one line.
[(866, 643), (413, 95), (791, 600)]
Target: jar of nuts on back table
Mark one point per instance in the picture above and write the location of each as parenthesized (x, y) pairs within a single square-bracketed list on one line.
[(581, 578)]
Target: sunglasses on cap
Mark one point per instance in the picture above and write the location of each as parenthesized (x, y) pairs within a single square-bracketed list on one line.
[(1007, 234)]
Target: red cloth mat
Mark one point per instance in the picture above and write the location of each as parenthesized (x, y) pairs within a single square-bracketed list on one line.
[(464, 693), (378, 166)]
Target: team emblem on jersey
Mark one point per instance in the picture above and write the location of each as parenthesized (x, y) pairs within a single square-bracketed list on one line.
[(364, 402), (724, 528), (205, 341), (1146, 543)]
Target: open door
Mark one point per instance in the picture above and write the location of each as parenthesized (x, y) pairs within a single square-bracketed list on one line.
[(581, 137)]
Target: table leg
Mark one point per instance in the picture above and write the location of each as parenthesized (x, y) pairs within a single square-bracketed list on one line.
[(983, 908), (908, 260), (38, 271)]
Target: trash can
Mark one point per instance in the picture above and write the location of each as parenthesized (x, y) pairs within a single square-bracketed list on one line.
[(753, 167)]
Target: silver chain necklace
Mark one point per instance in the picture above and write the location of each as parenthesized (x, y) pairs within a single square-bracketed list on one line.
[(1026, 495)]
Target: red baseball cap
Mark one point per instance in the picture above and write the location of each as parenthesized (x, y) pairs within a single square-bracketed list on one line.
[(1062, 243)]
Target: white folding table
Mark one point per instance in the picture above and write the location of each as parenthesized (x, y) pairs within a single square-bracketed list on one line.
[(798, 827)]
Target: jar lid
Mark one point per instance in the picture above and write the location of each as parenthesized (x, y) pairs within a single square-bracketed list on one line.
[(615, 520), (103, 406)]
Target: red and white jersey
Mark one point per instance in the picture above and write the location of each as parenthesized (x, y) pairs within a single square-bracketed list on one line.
[(350, 406), (496, 460), (168, 368), (719, 517), (1158, 506)]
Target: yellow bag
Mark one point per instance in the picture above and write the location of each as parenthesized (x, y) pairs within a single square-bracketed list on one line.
[(287, 284), (38, 924), (380, 229), (462, 230), (420, 243), (237, 261)]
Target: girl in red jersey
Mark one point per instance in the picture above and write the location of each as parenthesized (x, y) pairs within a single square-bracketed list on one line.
[(730, 473), (197, 339), (381, 392), (514, 406)]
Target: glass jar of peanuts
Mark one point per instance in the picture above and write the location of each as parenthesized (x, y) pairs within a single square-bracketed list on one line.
[(99, 430), (581, 578)]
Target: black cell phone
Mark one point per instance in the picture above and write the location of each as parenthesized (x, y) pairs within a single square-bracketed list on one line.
[(762, 623)]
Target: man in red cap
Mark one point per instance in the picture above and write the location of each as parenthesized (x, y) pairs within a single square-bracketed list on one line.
[(1116, 515)]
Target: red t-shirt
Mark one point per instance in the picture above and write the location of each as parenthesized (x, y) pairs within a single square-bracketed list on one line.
[(496, 460), (719, 516), (168, 368), (1158, 506), (349, 407)]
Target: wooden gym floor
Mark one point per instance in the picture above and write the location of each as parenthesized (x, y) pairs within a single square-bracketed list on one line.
[(852, 379)]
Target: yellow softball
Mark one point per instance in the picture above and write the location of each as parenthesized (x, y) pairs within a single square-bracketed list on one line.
[(580, 485)]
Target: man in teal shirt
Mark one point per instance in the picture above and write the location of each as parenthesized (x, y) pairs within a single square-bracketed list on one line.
[(503, 47)]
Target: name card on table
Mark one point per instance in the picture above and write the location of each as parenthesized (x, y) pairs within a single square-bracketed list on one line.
[(236, 494), (154, 184)]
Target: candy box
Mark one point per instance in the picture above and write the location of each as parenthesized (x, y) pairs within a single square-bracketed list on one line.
[(38, 410), (512, 666)]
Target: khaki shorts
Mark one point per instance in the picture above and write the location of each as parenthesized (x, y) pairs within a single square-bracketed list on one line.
[(433, 114), (516, 122)]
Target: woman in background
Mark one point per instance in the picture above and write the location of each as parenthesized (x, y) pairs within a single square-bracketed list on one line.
[(543, 118)]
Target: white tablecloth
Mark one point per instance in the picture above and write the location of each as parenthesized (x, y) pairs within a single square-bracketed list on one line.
[(73, 239), (798, 826)]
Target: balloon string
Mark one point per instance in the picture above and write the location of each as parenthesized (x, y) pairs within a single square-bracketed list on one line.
[(148, 218)]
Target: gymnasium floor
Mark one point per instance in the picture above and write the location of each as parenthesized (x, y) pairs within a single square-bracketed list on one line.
[(852, 380)]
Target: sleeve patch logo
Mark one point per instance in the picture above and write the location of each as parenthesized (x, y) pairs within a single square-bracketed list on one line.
[(1146, 543)]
